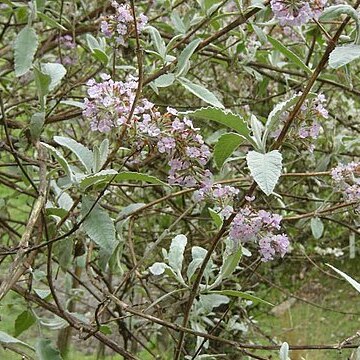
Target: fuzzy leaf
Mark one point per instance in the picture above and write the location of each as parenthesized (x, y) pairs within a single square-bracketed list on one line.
[(348, 278), (243, 295), (343, 55), (185, 56), (317, 227), (25, 46), (265, 169), (201, 92), (83, 153), (99, 226)]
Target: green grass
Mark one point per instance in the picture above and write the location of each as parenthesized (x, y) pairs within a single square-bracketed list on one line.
[(303, 323)]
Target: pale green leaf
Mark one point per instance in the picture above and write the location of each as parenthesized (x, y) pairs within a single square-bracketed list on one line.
[(56, 73), (348, 278), (265, 169), (45, 351), (165, 80), (176, 253), (185, 56), (82, 153), (216, 218), (24, 321), (284, 351), (99, 226), (36, 123), (317, 227), (25, 46), (243, 295), (343, 55), (201, 92)]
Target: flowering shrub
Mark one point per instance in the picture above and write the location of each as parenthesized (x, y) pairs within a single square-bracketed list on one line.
[(166, 165)]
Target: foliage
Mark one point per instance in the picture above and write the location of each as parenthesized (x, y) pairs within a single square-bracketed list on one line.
[(161, 162)]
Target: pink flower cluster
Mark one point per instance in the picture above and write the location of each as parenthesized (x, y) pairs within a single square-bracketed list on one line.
[(308, 126), (347, 178), (121, 24), (259, 226), (109, 106), (296, 12), (110, 102)]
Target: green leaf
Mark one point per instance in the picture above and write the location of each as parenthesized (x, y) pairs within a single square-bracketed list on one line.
[(289, 54), (348, 278), (11, 342), (225, 146), (45, 351), (97, 49), (243, 295), (265, 169), (275, 114), (165, 80), (216, 218), (176, 253), (343, 55), (333, 12), (99, 226), (105, 176), (25, 46), (201, 92), (23, 322), (83, 153), (177, 22), (42, 82), (211, 301), (101, 56), (61, 160), (317, 227), (56, 73), (185, 56), (36, 123), (158, 42), (230, 262), (50, 21), (223, 117)]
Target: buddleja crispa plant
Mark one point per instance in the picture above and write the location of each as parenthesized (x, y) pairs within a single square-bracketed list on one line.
[(156, 156)]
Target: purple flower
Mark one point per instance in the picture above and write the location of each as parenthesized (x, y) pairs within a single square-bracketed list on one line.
[(296, 12), (166, 144)]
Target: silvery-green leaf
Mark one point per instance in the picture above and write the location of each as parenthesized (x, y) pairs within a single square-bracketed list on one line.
[(8, 340), (164, 80), (158, 268), (176, 252), (265, 169), (61, 160), (198, 255), (83, 153), (211, 301), (25, 46), (348, 278), (223, 117), (284, 351), (98, 226), (185, 56), (36, 124), (158, 42), (45, 351), (55, 71), (344, 54), (201, 92), (317, 227)]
